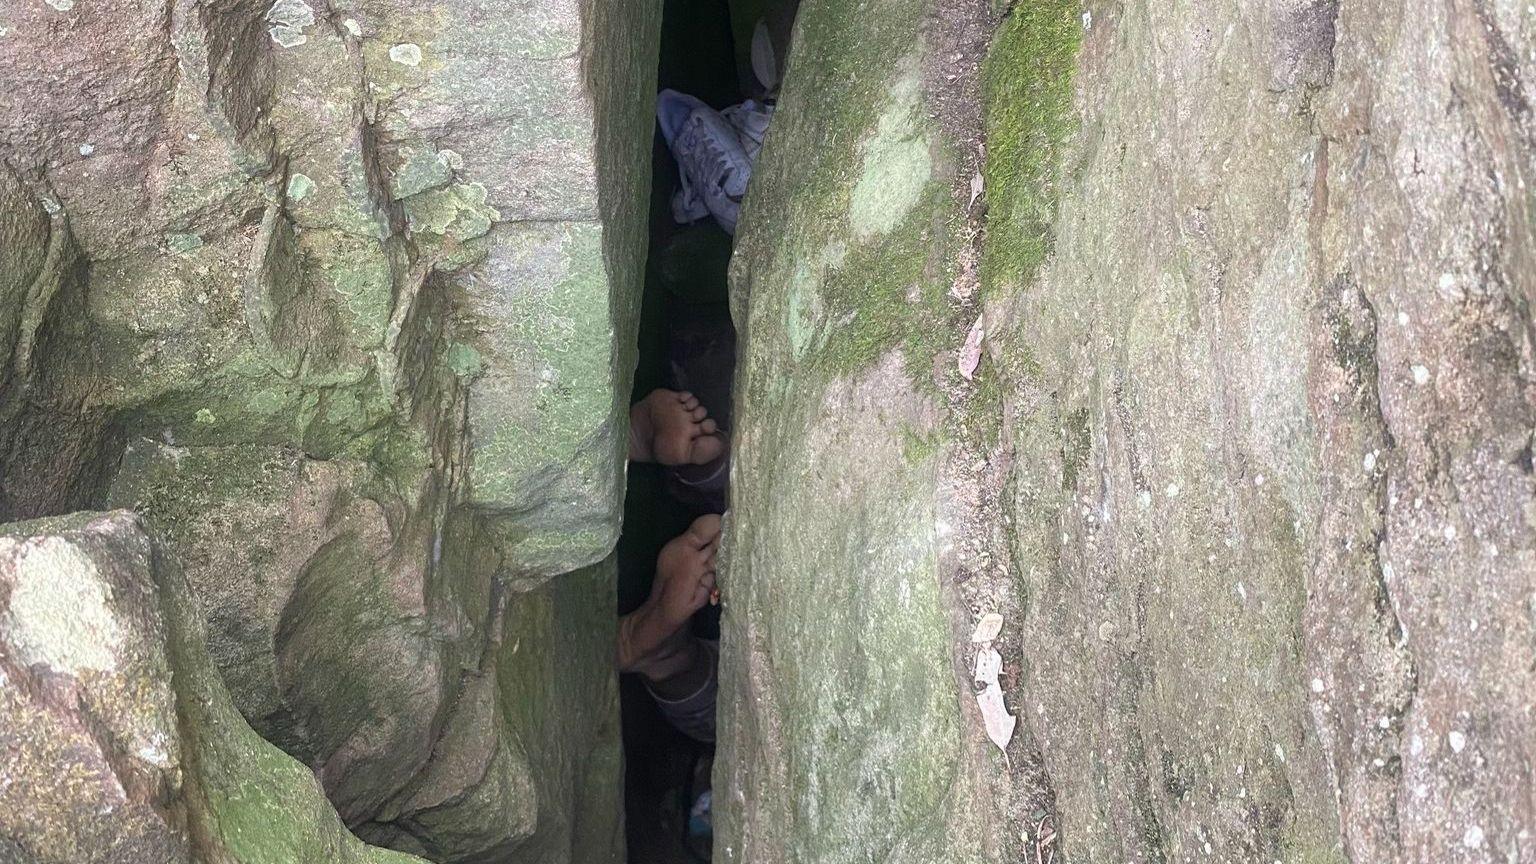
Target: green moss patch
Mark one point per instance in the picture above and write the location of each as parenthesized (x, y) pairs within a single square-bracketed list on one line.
[(889, 294), (1027, 88), (854, 51)]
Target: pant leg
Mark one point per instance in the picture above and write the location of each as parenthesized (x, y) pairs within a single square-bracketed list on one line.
[(694, 715)]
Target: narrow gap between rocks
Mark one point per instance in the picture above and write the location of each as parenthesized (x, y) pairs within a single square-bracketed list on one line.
[(687, 344)]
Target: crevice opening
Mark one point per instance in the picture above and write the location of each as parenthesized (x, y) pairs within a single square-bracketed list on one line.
[(686, 342)]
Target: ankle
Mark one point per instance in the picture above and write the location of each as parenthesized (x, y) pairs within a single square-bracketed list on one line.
[(645, 638), (682, 672), (641, 433)]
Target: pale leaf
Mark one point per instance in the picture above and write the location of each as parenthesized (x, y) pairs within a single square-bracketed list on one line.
[(999, 722), (970, 353), (988, 627), (989, 664)]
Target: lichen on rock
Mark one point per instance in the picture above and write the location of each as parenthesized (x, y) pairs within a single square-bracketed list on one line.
[(1245, 462), (258, 297), (158, 764), (844, 737)]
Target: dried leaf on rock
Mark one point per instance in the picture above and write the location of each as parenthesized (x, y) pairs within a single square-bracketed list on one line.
[(989, 664), (970, 353), (988, 627), (999, 722)]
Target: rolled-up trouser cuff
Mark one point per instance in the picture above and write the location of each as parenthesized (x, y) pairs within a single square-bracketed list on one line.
[(694, 715)]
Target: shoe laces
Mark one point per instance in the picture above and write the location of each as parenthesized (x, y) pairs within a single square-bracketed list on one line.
[(713, 163)]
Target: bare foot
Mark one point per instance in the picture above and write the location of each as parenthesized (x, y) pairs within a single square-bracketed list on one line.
[(672, 428), (685, 578)]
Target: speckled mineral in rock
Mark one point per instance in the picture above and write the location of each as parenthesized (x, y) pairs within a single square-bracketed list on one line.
[(406, 54)]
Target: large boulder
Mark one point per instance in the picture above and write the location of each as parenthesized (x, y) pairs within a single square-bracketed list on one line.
[(848, 732), (342, 297), (303, 226), (121, 744), (1270, 396), (1244, 465), (446, 713)]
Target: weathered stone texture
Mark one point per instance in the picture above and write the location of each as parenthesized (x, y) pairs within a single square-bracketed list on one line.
[(341, 297), (844, 730), (1272, 471), (1248, 446), (543, 788), (294, 216), (341, 636), (121, 743)]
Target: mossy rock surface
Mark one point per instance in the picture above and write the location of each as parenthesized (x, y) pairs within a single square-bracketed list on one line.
[(343, 203), (1239, 379), (844, 734), (1253, 368), (343, 298), (149, 760)]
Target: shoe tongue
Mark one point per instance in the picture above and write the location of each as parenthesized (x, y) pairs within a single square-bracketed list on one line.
[(765, 63)]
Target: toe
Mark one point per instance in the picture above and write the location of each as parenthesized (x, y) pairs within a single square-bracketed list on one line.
[(707, 448), (709, 427), (698, 413), (706, 528)]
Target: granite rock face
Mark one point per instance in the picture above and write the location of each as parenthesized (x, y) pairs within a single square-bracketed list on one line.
[(845, 728), (1273, 444), (546, 786), (289, 223), (123, 744), (341, 297), (1194, 341), (1244, 463), (342, 640)]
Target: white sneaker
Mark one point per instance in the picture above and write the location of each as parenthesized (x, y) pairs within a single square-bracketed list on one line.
[(751, 121), (711, 158)]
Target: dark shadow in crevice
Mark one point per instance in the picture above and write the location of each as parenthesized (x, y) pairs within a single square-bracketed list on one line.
[(685, 293), (722, 53)]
